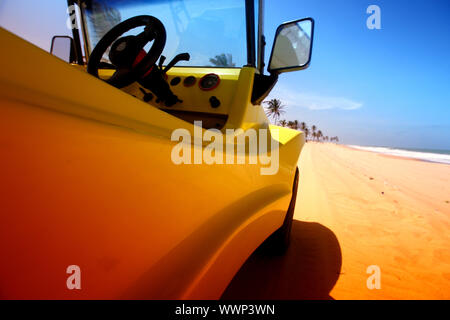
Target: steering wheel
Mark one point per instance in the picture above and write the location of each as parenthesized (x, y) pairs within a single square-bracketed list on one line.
[(127, 53)]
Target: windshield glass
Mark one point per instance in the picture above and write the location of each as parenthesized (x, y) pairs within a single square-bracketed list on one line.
[(213, 32)]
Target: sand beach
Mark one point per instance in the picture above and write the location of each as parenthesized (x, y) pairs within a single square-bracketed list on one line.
[(357, 209)]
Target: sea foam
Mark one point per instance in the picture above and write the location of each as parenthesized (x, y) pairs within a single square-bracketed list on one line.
[(420, 155)]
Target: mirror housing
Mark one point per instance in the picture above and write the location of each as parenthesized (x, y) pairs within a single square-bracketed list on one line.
[(63, 47), (292, 46)]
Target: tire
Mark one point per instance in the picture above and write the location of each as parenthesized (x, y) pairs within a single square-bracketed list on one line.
[(278, 242)]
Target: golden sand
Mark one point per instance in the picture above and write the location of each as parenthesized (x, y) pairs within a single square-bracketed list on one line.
[(356, 209)]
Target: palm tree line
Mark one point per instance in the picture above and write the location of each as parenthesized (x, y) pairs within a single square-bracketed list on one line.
[(274, 111)]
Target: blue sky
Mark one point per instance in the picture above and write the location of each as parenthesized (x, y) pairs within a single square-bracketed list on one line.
[(388, 87)]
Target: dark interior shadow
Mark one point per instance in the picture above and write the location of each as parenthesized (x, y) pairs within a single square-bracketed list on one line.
[(309, 269)]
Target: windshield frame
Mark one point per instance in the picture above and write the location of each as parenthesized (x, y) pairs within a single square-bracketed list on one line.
[(250, 34)]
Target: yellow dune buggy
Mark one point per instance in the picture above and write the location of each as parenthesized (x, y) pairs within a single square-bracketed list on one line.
[(144, 162)]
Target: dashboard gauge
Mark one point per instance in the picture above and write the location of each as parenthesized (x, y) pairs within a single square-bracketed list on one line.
[(189, 81), (175, 81), (209, 82)]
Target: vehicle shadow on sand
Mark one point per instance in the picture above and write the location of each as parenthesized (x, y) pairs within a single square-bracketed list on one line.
[(309, 269)]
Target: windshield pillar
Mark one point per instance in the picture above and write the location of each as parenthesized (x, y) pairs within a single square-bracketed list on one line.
[(250, 22), (261, 39), (76, 38)]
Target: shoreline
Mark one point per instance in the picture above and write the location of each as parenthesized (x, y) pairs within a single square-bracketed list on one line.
[(396, 156)]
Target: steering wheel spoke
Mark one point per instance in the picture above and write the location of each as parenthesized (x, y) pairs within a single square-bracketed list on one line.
[(145, 36), (118, 77)]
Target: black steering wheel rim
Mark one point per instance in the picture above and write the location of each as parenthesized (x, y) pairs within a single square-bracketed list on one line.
[(154, 31)]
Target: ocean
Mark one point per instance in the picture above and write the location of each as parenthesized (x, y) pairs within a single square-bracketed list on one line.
[(438, 156)]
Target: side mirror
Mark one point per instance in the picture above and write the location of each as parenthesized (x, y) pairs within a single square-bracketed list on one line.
[(63, 47), (292, 46)]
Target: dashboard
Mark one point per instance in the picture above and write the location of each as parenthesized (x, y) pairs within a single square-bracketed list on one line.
[(206, 93)]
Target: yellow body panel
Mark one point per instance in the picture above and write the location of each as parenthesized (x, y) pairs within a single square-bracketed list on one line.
[(87, 179)]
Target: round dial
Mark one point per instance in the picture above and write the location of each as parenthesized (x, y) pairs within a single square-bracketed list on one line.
[(209, 81), (189, 81), (175, 81)]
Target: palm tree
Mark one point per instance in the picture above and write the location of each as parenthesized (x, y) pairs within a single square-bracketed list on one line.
[(103, 19), (296, 125), (290, 124), (306, 131), (223, 60), (303, 126), (336, 139), (282, 123), (319, 135), (314, 128), (274, 109)]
